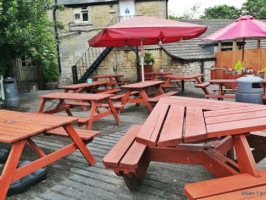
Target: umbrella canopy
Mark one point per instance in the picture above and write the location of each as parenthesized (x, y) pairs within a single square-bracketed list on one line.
[(144, 30), (245, 27)]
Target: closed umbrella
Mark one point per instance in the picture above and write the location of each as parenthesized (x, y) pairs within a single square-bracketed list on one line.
[(144, 30), (245, 27)]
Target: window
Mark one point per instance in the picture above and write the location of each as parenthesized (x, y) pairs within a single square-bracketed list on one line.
[(81, 15), (26, 61)]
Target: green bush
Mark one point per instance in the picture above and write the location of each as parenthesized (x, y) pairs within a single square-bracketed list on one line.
[(148, 58)]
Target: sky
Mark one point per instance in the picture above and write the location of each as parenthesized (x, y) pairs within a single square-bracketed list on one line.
[(179, 7)]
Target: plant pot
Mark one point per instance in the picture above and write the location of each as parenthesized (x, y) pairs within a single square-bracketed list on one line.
[(51, 86)]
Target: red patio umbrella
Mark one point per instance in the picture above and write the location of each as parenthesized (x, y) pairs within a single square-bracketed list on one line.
[(144, 30), (245, 27)]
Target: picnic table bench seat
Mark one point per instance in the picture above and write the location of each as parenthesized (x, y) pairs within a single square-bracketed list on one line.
[(81, 120), (120, 96), (110, 91), (219, 96), (157, 98), (202, 85), (126, 158), (76, 103), (257, 141), (241, 186), (85, 135)]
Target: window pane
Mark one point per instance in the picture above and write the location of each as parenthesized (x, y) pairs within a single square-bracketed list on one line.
[(77, 16), (85, 16)]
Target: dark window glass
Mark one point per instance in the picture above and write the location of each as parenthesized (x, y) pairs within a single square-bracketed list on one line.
[(85, 16)]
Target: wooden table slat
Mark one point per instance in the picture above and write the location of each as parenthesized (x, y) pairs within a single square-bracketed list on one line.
[(172, 131), (150, 131), (141, 85), (195, 125), (84, 85), (76, 96), (236, 127), (235, 117)]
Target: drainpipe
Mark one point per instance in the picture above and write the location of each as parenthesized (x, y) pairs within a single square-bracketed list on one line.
[(56, 36)]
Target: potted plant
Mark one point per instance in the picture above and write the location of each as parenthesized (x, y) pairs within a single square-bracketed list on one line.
[(148, 61), (50, 75), (238, 67)]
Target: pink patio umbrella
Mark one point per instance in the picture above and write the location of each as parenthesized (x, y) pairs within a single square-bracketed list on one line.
[(245, 27), (143, 30)]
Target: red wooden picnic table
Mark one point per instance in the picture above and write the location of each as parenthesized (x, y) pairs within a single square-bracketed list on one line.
[(145, 95), (113, 79), (83, 87), (221, 90), (183, 78), (176, 124), (17, 129), (152, 75), (80, 99)]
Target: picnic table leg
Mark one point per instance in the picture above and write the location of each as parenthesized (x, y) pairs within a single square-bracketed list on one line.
[(183, 85), (145, 98), (160, 90), (205, 90), (133, 179), (10, 167), (113, 110), (79, 143), (42, 105), (124, 100), (245, 158), (92, 113)]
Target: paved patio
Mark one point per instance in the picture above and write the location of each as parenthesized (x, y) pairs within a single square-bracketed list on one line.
[(73, 178)]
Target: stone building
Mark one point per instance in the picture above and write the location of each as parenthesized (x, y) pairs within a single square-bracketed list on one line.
[(83, 19)]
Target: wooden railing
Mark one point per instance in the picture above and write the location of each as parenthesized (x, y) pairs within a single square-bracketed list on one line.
[(253, 58)]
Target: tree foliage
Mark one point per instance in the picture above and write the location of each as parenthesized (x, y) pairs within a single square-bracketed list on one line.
[(255, 8), (26, 30), (221, 12)]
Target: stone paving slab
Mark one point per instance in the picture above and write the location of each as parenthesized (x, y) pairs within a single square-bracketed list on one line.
[(71, 178)]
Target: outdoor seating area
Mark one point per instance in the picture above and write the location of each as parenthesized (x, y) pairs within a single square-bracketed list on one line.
[(139, 107)]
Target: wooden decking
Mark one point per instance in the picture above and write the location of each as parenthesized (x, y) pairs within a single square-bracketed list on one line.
[(71, 178)]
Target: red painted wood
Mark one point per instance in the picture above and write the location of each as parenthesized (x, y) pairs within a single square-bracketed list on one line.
[(149, 133), (145, 98), (157, 98), (224, 185), (172, 130), (114, 156), (220, 96), (255, 193), (35, 148), (107, 76), (245, 158), (10, 167), (237, 110), (195, 125), (113, 109), (235, 117), (216, 163), (236, 127), (133, 156), (76, 96), (79, 143), (183, 76), (83, 134), (184, 154), (83, 85), (141, 85)]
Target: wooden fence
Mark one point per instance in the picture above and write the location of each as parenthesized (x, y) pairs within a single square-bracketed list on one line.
[(253, 58)]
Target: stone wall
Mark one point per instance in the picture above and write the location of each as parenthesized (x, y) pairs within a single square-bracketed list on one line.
[(127, 64), (151, 8)]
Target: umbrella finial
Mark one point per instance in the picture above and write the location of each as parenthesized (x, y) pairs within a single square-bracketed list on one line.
[(246, 17)]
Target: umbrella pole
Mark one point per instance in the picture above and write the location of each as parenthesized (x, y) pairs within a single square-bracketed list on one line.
[(142, 60), (243, 53)]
